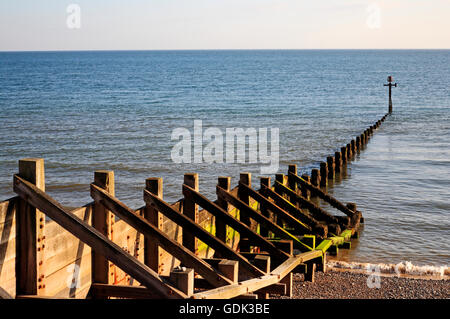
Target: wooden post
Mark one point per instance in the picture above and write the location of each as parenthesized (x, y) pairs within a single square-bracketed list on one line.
[(305, 192), (30, 236), (349, 152), (315, 177), (262, 262), (287, 247), (221, 227), (183, 279), (344, 155), (310, 272), (245, 178), (280, 179), (353, 146), (337, 161), (230, 269), (323, 174), (358, 143), (292, 168), (265, 181), (331, 167), (102, 220), (152, 252), (190, 209)]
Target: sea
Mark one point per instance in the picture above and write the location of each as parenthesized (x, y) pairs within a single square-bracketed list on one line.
[(118, 110)]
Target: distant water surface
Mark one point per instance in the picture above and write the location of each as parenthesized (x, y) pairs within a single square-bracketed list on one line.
[(84, 111)]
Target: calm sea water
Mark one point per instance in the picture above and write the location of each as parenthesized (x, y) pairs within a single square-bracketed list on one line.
[(84, 111)]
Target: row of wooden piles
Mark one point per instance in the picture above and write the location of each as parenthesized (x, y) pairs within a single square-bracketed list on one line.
[(245, 244)]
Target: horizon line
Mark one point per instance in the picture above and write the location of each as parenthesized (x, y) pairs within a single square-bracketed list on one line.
[(162, 50)]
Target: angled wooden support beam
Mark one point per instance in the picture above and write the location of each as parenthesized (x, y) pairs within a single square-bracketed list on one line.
[(315, 210), (30, 233), (259, 218), (238, 289), (234, 223), (199, 232), (311, 224), (328, 198), (92, 237), (281, 213), (187, 257)]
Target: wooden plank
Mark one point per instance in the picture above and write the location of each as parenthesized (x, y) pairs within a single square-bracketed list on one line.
[(8, 276), (8, 209), (241, 288), (93, 238), (264, 221), (68, 280), (324, 245), (187, 257), (235, 224), (291, 220), (328, 198), (202, 234), (289, 265)]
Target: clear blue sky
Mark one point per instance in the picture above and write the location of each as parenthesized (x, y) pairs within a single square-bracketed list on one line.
[(225, 24)]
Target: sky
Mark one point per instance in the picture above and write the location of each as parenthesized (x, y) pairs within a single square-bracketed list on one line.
[(30, 25)]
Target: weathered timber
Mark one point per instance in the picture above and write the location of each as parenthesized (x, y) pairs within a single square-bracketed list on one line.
[(152, 252), (262, 220), (190, 209), (328, 198), (30, 224), (265, 181), (315, 177), (311, 225), (102, 220), (315, 210), (221, 227), (331, 167), (183, 279), (234, 223), (187, 257), (199, 232), (93, 238), (291, 220), (323, 174), (246, 179)]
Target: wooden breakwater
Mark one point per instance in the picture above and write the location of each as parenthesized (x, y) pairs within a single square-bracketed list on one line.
[(246, 244)]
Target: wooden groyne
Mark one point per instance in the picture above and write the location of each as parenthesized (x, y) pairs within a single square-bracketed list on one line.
[(247, 243)]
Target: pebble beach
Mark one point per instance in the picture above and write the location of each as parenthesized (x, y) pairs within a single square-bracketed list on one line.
[(352, 285)]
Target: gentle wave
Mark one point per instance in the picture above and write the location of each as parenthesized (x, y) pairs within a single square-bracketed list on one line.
[(402, 268)]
